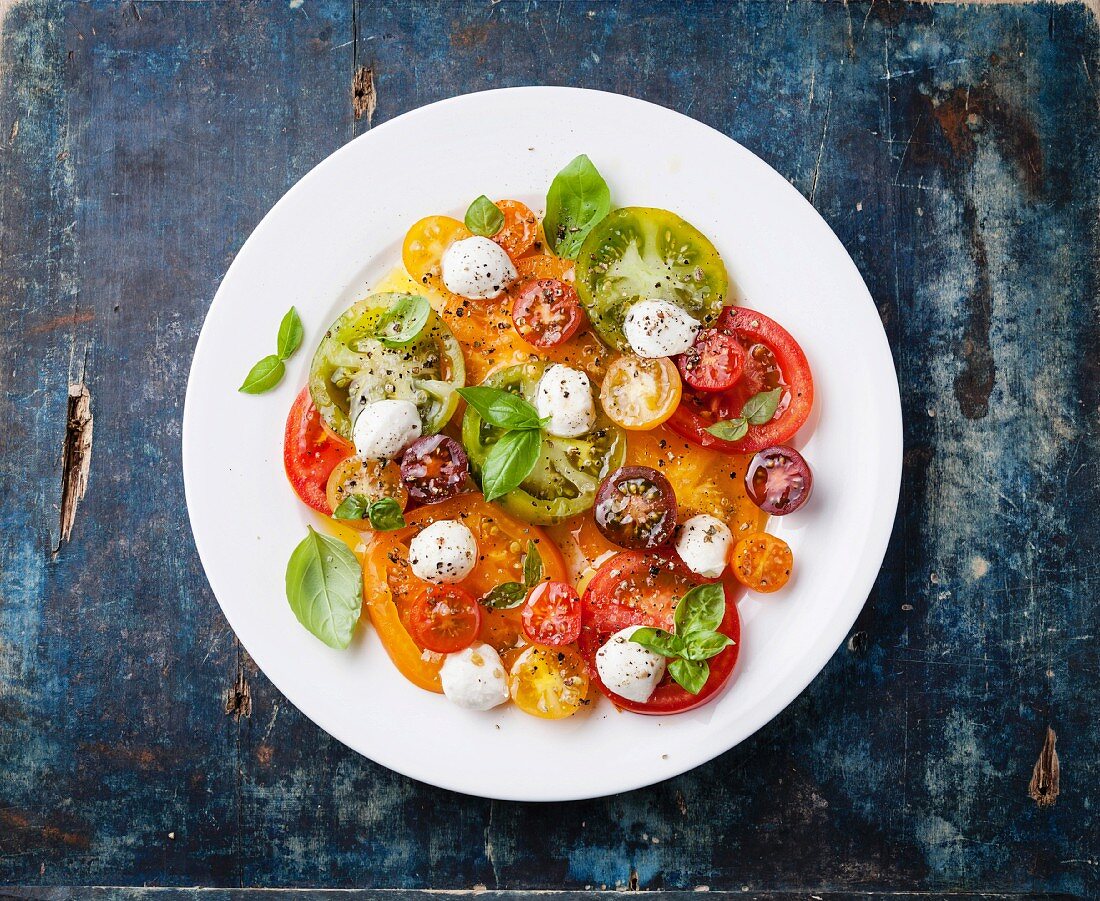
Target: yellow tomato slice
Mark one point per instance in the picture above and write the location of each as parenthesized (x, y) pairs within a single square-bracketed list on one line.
[(551, 683), (371, 478), (639, 394), (425, 243)]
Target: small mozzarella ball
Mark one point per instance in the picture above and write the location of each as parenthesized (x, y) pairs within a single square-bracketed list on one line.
[(565, 395), (477, 268), (704, 545), (444, 552), (657, 328), (474, 678), (385, 428), (628, 669)]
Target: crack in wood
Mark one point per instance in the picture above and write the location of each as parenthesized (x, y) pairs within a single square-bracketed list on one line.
[(76, 458), (238, 698), (364, 98), (1045, 778)]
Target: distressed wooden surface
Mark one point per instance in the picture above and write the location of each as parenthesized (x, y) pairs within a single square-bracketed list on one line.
[(952, 744)]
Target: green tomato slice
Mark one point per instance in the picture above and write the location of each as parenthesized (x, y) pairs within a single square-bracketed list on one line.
[(638, 253), (569, 470), (352, 369)]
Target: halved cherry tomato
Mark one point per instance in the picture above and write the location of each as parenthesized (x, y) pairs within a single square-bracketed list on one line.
[(714, 362), (374, 479), (639, 393), (636, 508), (549, 682), (762, 562), (778, 480), (445, 619), (547, 312), (425, 243), (635, 588), (521, 227), (552, 614), (773, 359), (434, 468), (311, 452)]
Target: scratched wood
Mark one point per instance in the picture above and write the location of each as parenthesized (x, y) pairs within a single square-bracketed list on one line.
[(951, 745)]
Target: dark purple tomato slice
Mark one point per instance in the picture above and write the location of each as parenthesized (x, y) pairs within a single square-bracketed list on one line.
[(636, 508), (434, 468), (778, 480)]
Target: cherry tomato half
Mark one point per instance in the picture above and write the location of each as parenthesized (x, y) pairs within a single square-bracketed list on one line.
[(445, 619), (552, 614), (424, 246), (521, 227), (714, 362), (547, 312), (549, 682), (434, 468), (640, 393), (374, 479), (779, 480), (311, 452), (762, 562), (773, 359), (636, 508)]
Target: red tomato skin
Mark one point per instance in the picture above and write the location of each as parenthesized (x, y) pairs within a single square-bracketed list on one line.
[(547, 602), (600, 620), (547, 312), (460, 603), (311, 452), (795, 406)]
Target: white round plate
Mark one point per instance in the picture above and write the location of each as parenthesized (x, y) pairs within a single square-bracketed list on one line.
[(340, 229)]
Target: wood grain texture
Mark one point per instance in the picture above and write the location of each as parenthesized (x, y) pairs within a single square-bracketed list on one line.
[(954, 150)]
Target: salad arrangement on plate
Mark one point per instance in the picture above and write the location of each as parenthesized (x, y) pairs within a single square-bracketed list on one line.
[(546, 453)]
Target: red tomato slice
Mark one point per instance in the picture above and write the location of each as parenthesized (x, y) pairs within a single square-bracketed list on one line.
[(773, 360), (714, 362), (552, 614), (311, 452), (547, 312), (445, 619), (641, 589)]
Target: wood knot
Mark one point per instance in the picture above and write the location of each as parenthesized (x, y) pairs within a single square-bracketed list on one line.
[(1044, 787), (364, 98), (238, 699)]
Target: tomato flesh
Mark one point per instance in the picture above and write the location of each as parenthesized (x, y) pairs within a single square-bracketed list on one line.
[(636, 508), (520, 229), (714, 362), (762, 562), (434, 468), (778, 480), (445, 619), (552, 614), (311, 453), (547, 312)]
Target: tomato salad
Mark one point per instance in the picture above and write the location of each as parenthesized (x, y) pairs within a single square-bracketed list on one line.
[(547, 452)]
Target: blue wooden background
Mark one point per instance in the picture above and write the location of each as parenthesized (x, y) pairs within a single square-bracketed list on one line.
[(954, 149)]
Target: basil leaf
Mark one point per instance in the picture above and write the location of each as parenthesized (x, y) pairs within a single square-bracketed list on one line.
[(690, 674), (354, 506), (484, 217), (760, 408), (505, 596), (385, 515), (730, 429), (659, 641), (532, 565), (704, 645), (403, 321), (577, 200), (510, 461), (701, 610), (501, 408), (324, 585), (290, 334), (264, 376)]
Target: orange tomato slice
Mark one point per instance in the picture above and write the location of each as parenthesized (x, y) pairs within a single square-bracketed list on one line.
[(762, 562), (520, 229)]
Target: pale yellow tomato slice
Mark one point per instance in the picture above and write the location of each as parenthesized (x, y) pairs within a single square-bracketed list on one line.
[(639, 394), (425, 244), (551, 683), (374, 479)]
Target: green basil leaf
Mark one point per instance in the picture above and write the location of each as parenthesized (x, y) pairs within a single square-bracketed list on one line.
[(354, 506), (659, 641), (692, 675), (701, 610), (324, 585), (730, 429), (505, 596), (532, 565), (264, 376), (290, 334), (484, 217), (577, 200), (510, 461), (704, 645), (760, 408), (385, 515), (403, 321), (501, 408)]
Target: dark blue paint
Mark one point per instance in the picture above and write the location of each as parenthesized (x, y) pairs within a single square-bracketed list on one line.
[(955, 152)]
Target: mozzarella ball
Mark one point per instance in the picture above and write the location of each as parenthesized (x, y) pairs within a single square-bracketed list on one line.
[(385, 428), (474, 678), (443, 552), (704, 545), (477, 268), (628, 669), (657, 328), (565, 395)]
